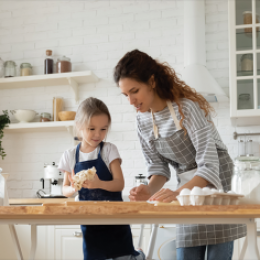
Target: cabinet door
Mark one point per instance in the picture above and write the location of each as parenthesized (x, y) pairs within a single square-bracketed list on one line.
[(7, 248), (68, 244)]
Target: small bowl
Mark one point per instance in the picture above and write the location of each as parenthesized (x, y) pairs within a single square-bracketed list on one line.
[(67, 115), (24, 115)]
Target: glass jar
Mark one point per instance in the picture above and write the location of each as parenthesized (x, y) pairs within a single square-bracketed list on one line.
[(45, 117), (140, 180), (248, 18), (25, 69), (9, 69), (244, 101), (48, 63), (1, 68), (246, 179), (247, 62), (63, 65)]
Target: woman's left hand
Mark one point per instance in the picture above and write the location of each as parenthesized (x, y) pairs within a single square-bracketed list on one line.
[(94, 184), (164, 195)]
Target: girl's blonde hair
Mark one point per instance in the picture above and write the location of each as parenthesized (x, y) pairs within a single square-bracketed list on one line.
[(87, 109)]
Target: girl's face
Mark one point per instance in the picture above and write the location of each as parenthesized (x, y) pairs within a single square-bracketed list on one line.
[(96, 131), (140, 95)]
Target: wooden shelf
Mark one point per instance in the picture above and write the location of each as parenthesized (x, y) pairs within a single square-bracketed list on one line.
[(71, 78), (40, 126)]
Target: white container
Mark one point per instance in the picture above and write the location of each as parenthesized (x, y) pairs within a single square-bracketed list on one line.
[(24, 115)]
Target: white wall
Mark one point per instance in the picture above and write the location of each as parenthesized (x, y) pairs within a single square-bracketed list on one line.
[(95, 35)]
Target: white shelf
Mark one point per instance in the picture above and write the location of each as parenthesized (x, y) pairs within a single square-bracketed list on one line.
[(40, 126), (70, 78)]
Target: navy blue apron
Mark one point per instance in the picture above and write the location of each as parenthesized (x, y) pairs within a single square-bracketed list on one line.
[(102, 242)]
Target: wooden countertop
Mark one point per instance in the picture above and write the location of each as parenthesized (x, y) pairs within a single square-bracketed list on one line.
[(36, 201), (74, 210)]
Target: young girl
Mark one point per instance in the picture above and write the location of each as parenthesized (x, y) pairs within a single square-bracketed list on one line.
[(92, 123)]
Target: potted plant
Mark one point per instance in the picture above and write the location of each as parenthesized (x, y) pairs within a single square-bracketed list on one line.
[(4, 121)]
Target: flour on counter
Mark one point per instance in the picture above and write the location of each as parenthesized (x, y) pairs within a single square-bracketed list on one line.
[(82, 176)]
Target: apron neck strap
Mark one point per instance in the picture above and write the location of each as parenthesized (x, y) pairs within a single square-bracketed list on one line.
[(174, 117)]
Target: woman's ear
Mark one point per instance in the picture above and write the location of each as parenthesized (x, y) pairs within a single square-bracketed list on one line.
[(152, 81)]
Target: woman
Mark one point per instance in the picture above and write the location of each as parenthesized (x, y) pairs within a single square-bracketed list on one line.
[(175, 128)]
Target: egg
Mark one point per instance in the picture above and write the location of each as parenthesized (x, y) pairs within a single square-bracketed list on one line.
[(221, 191), (185, 191), (206, 191), (196, 191), (231, 192), (213, 191)]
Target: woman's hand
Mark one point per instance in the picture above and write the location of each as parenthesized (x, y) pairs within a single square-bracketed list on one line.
[(140, 193), (164, 195), (94, 184)]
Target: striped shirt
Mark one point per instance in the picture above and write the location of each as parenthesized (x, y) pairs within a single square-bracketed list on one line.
[(200, 130)]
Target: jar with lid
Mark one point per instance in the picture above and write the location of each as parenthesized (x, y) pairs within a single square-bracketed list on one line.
[(1, 68), (140, 180), (247, 62), (48, 63), (248, 18), (9, 69), (63, 65), (246, 179), (25, 69), (45, 117), (244, 101)]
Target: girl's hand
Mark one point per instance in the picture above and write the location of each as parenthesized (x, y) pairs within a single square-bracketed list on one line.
[(164, 195), (140, 193), (71, 179), (94, 184)]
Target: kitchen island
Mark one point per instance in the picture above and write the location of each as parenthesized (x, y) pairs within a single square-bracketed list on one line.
[(69, 213)]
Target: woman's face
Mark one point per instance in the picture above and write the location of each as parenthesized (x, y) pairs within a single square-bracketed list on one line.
[(140, 95)]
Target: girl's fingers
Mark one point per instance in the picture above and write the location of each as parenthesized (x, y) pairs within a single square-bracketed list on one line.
[(157, 194)]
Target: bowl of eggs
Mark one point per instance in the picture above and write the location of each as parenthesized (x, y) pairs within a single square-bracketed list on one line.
[(206, 196)]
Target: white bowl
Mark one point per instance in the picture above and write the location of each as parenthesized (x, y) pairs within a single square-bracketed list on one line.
[(24, 115)]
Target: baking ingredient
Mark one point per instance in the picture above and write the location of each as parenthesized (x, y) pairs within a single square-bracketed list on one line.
[(48, 63), (82, 176), (4, 121), (185, 192), (196, 191), (25, 69), (57, 107), (206, 191), (63, 65)]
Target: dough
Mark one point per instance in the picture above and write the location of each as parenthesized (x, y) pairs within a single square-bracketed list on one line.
[(82, 176)]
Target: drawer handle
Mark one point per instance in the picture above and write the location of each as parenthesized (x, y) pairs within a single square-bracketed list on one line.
[(77, 234)]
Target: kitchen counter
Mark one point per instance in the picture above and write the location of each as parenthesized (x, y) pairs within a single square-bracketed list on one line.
[(97, 213)]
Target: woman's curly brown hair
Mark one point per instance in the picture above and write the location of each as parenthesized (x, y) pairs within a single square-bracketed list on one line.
[(141, 67)]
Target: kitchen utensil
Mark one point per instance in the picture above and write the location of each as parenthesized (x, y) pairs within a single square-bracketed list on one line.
[(63, 65), (25, 69), (24, 115), (140, 179), (67, 115), (9, 69), (57, 107)]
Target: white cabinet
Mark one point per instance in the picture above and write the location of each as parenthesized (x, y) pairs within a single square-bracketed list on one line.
[(244, 56), (68, 241)]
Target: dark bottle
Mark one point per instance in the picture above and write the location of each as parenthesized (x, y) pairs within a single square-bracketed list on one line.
[(48, 63)]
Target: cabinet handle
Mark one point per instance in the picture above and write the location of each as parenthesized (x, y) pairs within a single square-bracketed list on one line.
[(77, 234)]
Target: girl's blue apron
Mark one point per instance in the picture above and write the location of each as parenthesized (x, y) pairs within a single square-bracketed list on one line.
[(103, 241)]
